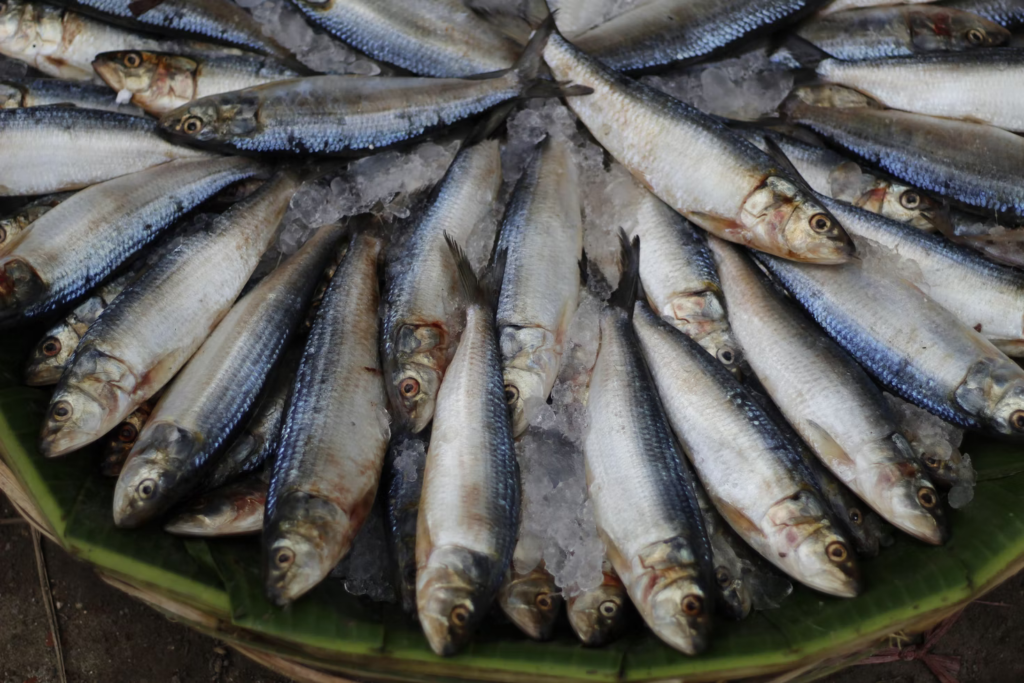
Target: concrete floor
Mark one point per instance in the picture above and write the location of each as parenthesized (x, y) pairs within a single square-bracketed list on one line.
[(108, 637)]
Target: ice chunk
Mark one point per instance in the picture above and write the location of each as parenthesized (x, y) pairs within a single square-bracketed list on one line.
[(366, 570), (960, 495), (124, 96)]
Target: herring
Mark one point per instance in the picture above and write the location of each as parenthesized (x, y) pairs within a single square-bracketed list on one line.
[(598, 615), (531, 600), (42, 92)]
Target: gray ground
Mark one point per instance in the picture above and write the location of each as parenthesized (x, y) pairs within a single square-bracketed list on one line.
[(108, 637)]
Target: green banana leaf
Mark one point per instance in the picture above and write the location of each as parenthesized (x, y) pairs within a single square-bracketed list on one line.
[(909, 586)]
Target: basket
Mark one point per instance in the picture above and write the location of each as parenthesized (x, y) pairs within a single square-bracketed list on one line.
[(214, 586)]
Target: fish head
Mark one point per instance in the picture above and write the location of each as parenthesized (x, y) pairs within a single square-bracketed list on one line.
[(799, 226), (679, 612), (20, 287), (121, 441), (911, 501), (11, 97), (532, 601), (214, 118), (157, 82), (911, 206), (949, 30), (50, 356), (993, 391), (947, 470), (530, 364), (453, 593), (414, 374), (597, 616), (299, 546), (733, 592), (524, 394), (151, 480)]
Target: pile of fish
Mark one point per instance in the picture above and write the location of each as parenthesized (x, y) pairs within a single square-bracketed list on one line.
[(524, 434)]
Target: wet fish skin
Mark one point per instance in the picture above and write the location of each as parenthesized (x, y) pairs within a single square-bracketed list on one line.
[(215, 390), (734, 599), (696, 165), (42, 92), (531, 601), (421, 293), (900, 30), (14, 226), (77, 244), (329, 460), (55, 149), (232, 510), (542, 236), (404, 484), (154, 326), (598, 616), (417, 35), (160, 82), (122, 439), (911, 345)]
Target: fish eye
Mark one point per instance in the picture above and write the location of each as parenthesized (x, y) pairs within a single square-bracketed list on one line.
[(975, 36), (927, 497), (608, 608), (409, 387), (544, 601), (127, 433), (511, 394), (61, 411), (3, 235), (722, 576), (820, 223), (192, 125), (837, 551), (726, 356), (931, 461), (460, 615), (855, 516), (910, 199), (693, 605), (1017, 420), (132, 60), (284, 557), (51, 346), (146, 489)]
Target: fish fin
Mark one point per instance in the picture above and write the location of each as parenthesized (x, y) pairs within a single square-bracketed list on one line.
[(742, 524), (720, 226), (485, 289), (514, 23), (830, 452), (140, 7), (490, 123), (629, 264), (531, 61), (584, 269), (775, 152), (542, 88), (806, 53)]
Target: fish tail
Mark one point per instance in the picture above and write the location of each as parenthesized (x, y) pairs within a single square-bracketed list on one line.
[(531, 62), (485, 289), (629, 262)]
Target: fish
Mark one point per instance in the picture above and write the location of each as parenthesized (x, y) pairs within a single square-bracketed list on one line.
[(830, 402), (900, 30), (660, 32), (532, 601), (986, 296), (41, 92), (1007, 13), (971, 164), (56, 149), (733, 594), (696, 165), (982, 86), (470, 502), (218, 386), (335, 434), (935, 442), (122, 439), (440, 38), (542, 236), (911, 345), (160, 82), (642, 491), (350, 114), (679, 278), (80, 242), (774, 506), (421, 291), (14, 226), (235, 509), (844, 5), (151, 330), (997, 242), (403, 474), (598, 616)]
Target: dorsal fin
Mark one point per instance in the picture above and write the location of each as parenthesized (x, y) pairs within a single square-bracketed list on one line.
[(624, 296)]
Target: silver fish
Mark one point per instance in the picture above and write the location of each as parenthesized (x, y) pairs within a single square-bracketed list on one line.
[(159, 81), (155, 326), (696, 165), (469, 509), (53, 149), (900, 30), (14, 226), (41, 92), (642, 491), (532, 601), (911, 345), (829, 400), (403, 473), (122, 439), (211, 395), (232, 510), (335, 434), (421, 285), (542, 236), (598, 616), (441, 38), (77, 244)]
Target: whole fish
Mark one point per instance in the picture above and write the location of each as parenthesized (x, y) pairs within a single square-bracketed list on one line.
[(208, 399), (679, 278), (900, 30), (421, 299), (232, 510), (335, 114), (734, 599), (986, 296), (155, 326), (911, 345), (1007, 13), (403, 474), (754, 477), (542, 236), (984, 86), (77, 244), (335, 434), (54, 149), (469, 506), (532, 601), (14, 226), (663, 31), (40, 92), (441, 38), (843, 5), (598, 616), (642, 491), (159, 81), (829, 400), (971, 163), (696, 165)]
